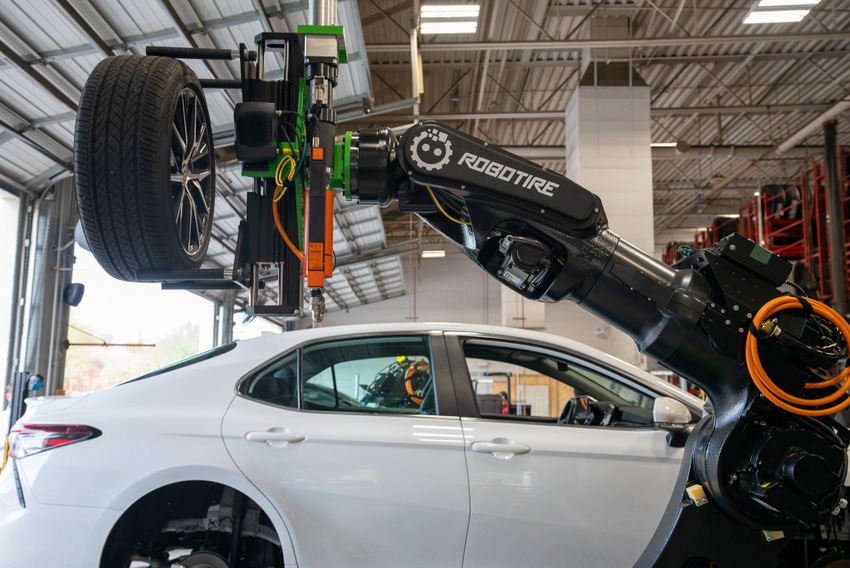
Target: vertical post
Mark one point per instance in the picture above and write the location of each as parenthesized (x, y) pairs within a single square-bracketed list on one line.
[(226, 318), (323, 12), (837, 262), (17, 326), (321, 59)]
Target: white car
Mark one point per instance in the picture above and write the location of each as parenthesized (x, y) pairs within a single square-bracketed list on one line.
[(391, 450)]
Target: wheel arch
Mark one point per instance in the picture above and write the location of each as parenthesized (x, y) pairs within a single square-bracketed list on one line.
[(194, 486)]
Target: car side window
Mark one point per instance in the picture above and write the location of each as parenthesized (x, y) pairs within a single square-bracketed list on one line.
[(515, 380), (385, 375)]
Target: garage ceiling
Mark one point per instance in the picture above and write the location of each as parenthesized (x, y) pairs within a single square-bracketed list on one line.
[(726, 92)]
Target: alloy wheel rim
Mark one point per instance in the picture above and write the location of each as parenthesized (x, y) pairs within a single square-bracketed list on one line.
[(191, 172)]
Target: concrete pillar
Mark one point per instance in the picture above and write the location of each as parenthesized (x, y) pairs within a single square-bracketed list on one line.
[(608, 136), (520, 312), (607, 149)]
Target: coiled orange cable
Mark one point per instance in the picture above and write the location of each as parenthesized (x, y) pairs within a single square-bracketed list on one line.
[(775, 394)]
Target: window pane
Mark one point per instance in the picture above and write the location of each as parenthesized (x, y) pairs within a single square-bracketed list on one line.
[(276, 384), (377, 374), (540, 382), (388, 375)]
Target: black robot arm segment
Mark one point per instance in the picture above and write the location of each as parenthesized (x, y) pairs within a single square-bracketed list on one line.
[(534, 230), (547, 238)]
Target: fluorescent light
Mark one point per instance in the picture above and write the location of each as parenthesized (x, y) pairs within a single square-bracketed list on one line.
[(448, 27), (465, 11), (449, 19), (663, 144), (786, 3), (775, 16), (433, 253)]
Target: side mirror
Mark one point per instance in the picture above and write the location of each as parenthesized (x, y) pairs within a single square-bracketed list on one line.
[(668, 411), (671, 414)]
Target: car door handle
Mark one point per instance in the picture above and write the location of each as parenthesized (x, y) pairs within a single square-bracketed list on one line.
[(500, 448), (274, 437)]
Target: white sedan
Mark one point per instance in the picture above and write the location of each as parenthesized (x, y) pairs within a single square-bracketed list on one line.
[(381, 445)]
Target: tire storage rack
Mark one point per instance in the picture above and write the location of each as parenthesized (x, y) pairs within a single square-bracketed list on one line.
[(791, 221)]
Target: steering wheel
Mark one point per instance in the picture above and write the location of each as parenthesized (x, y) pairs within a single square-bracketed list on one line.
[(571, 408), (568, 414)]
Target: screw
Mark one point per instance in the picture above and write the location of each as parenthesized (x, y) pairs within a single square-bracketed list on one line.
[(736, 307), (732, 247)]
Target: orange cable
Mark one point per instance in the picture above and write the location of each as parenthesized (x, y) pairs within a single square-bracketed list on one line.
[(773, 392), (276, 215)]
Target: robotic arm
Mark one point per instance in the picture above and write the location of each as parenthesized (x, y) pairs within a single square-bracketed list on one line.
[(770, 458)]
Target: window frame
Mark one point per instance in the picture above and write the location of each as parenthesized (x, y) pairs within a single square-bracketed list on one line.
[(444, 389), (468, 402)]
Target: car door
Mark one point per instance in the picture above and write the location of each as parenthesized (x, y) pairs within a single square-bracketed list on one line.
[(549, 494), (358, 443)]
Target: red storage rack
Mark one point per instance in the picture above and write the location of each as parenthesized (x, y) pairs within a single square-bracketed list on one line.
[(813, 182)]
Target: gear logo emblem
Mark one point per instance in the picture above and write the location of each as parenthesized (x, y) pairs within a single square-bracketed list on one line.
[(431, 149)]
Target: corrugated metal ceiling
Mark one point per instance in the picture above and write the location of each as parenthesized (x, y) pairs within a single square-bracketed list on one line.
[(714, 82)]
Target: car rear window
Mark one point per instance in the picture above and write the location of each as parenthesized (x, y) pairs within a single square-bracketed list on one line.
[(192, 360)]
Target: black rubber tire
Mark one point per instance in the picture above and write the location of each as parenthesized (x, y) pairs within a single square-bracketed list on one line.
[(138, 209)]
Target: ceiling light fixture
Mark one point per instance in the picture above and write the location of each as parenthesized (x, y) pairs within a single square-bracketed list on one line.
[(663, 144), (433, 253), (787, 3), (449, 19), (778, 11)]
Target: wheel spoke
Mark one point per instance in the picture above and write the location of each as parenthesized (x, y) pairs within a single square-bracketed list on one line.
[(200, 200), (180, 141), (181, 196), (200, 148)]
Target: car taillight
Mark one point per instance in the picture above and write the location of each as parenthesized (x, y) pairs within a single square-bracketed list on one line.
[(28, 439)]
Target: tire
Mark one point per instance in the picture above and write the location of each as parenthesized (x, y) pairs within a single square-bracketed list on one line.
[(144, 166), (776, 198)]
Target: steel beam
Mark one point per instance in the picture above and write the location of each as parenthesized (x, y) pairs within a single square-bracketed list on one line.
[(578, 44)]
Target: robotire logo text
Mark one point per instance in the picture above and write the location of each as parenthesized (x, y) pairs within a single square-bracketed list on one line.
[(507, 173), (431, 149)]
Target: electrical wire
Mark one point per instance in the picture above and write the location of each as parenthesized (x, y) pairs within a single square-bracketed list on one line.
[(278, 173), (774, 393), (443, 211), (279, 192)]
